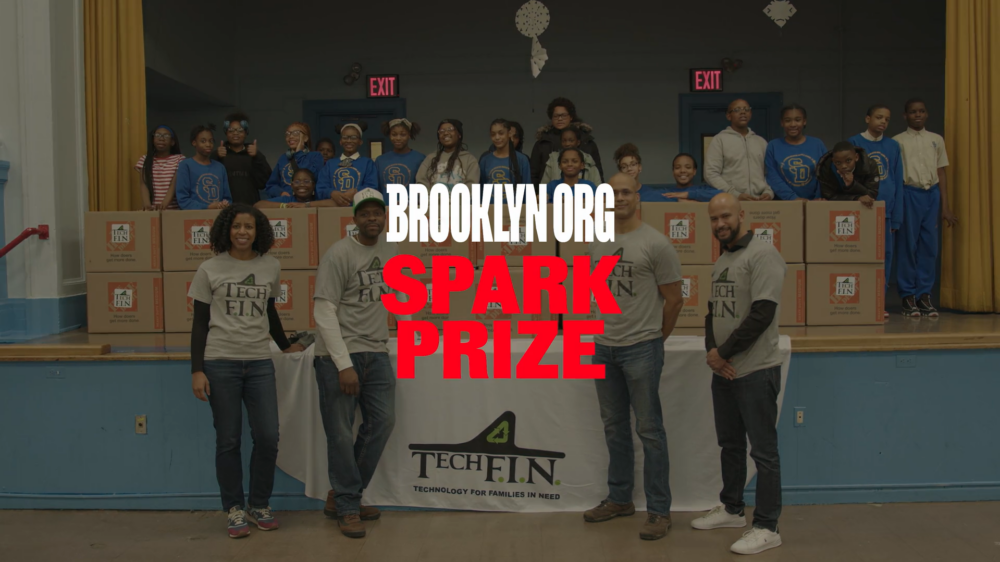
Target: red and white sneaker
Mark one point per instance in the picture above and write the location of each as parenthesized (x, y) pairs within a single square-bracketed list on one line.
[(238, 527)]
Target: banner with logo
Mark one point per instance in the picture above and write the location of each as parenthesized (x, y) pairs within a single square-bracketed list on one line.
[(509, 444)]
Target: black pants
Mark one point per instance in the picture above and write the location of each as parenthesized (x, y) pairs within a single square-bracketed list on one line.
[(747, 407)]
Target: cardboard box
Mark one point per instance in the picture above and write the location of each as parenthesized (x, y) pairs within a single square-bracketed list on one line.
[(569, 250), (697, 289), (186, 239), (335, 223), (686, 225), (515, 251), (295, 301), (461, 303), (845, 294), (845, 232), (296, 243), (124, 302), (126, 241), (780, 223), (792, 311), (178, 308)]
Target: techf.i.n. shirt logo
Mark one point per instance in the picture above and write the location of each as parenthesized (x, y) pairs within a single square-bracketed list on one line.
[(372, 283), (208, 188), (493, 452), (724, 296), (620, 281), (246, 298), (797, 169)]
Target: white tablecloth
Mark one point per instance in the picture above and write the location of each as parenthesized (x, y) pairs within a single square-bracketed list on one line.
[(553, 432)]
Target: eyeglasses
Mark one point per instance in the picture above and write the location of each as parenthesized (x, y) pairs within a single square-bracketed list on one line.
[(631, 166), (235, 131), (302, 183), (443, 131), (290, 134), (740, 110), (560, 115), (162, 136), (350, 138)]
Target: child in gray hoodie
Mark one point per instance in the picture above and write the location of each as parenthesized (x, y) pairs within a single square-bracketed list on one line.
[(734, 162)]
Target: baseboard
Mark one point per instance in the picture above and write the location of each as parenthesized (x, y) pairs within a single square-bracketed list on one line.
[(288, 501), (26, 319), (885, 493)]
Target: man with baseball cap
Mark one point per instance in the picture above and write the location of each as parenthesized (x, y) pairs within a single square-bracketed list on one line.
[(352, 360)]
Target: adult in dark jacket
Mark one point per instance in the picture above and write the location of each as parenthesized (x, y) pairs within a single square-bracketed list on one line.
[(247, 169), (548, 139), (846, 173)]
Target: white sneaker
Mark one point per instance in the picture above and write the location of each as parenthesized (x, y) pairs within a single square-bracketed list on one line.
[(719, 518), (755, 541)]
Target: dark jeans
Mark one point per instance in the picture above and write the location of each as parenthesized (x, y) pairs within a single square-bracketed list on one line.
[(632, 378), (351, 463), (748, 407), (234, 383)]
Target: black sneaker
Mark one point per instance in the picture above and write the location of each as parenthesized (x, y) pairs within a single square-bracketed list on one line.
[(910, 309), (926, 308)]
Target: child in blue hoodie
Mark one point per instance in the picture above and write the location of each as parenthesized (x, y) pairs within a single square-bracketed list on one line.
[(684, 170), (886, 155), (299, 155), (342, 177), (399, 166), (791, 161), (202, 183), (504, 164)]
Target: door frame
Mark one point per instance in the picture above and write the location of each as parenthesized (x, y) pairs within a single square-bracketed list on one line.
[(314, 110), (688, 102)]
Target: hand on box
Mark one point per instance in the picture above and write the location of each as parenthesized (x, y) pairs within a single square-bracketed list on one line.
[(341, 199), (295, 348), (765, 197), (867, 201), (680, 195), (746, 197)]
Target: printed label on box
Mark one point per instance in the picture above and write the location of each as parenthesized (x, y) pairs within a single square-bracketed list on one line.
[(197, 234), (283, 300), (680, 227), (123, 297), (844, 288), (689, 290), (282, 232), (767, 232), (845, 226), (121, 236)]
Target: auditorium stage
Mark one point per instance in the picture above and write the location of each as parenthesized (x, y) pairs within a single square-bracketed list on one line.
[(950, 331)]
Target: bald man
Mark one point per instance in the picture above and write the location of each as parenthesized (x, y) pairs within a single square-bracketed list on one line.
[(646, 284), (741, 337), (734, 162)]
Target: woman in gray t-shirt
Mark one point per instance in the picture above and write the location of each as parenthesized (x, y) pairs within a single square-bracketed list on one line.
[(234, 319)]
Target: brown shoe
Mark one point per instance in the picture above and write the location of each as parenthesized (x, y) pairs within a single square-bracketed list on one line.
[(608, 510), (368, 513), (656, 527), (351, 526)]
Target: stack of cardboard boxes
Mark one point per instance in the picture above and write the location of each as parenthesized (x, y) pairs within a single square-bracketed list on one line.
[(834, 252)]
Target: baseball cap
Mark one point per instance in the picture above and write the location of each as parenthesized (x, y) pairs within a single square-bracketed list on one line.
[(365, 195)]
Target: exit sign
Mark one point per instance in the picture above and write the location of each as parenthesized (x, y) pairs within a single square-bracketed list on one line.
[(706, 80), (383, 86)]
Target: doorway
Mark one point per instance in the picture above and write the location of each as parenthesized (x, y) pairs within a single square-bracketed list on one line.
[(323, 116), (702, 116)]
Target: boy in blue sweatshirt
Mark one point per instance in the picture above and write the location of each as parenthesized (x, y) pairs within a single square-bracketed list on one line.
[(791, 161), (885, 153), (297, 137), (202, 183), (399, 166), (685, 169), (341, 178)]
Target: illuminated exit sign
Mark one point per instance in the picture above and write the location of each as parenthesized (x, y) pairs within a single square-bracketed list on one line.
[(383, 86), (706, 80)]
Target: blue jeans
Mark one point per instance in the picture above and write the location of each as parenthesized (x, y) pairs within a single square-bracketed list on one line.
[(747, 407), (351, 462), (632, 377), (232, 384)]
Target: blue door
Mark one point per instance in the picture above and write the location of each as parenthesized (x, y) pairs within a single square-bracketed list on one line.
[(323, 116), (702, 116)]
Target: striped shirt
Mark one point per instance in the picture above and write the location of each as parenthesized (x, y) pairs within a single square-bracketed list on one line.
[(164, 170)]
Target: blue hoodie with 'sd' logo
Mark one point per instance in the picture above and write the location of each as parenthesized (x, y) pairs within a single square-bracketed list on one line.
[(198, 185)]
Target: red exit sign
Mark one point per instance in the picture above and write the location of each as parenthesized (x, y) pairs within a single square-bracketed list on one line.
[(383, 86), (706, 80)]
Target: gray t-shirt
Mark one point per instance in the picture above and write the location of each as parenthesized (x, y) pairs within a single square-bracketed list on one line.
[(237, 291), (350, 276), (647, 259), (739, 278)]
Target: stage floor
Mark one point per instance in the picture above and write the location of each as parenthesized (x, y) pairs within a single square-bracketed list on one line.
[(950, 331)]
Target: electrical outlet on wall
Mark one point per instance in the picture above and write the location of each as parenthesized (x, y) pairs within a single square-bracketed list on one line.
[(800, 417), (140, 425)]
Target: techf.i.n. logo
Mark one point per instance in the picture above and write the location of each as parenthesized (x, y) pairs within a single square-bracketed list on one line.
[(283, 300), (689, 290), (198, 233), (492, 452), (120, 236), (845, 226), (767, 232), (680, 227), (844, 288), (122, 297), (348, 227)]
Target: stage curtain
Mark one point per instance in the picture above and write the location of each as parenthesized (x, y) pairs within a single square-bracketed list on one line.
[(115, 67), (970, 253)]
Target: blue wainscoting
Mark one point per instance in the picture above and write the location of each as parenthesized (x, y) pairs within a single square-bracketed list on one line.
[(873, 432)]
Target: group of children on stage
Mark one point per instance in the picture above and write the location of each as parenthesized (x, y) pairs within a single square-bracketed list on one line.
[(906, 172)]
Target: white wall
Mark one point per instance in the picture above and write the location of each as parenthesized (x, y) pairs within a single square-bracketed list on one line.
[(42, 125), (623, 64)]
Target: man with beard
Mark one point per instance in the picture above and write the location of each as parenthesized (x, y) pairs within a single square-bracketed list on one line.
[(741, 337), (352, 360)]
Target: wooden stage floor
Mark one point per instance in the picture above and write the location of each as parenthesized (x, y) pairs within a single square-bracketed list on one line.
[(950, 331)]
